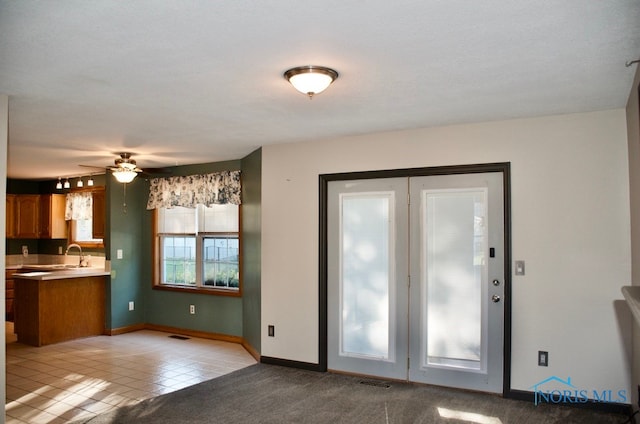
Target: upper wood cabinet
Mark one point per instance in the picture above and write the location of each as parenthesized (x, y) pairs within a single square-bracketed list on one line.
[(10, 222), (27, 216), (52, 223), (33, 216), (99, 211)]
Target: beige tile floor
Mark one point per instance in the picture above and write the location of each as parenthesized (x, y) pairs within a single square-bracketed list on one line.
[(82, 378)]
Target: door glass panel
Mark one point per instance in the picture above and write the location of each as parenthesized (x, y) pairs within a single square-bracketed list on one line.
[(367, 282), (454, 245)]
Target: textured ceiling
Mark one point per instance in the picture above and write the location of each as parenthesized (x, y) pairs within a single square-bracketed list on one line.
[(181, 82)]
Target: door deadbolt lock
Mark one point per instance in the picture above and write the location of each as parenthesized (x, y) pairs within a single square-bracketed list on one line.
[(495, 298), (496, 283)]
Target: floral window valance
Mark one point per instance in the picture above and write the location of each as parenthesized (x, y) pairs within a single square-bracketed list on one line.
[(189, 191), (78, 206)]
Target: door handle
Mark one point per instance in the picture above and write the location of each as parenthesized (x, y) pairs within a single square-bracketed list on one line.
[(495, 298)]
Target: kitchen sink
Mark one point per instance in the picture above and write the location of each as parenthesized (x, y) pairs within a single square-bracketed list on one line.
[(51, 267)]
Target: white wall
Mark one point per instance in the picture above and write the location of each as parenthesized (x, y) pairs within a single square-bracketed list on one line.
[(633, 135), (570, 210)]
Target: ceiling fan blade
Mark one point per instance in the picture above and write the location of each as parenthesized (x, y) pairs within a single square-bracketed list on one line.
[(125, 161), (163, 170), (93, 166)]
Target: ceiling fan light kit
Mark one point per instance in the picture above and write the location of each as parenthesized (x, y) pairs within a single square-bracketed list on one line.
[(124, 175), (125, 170)]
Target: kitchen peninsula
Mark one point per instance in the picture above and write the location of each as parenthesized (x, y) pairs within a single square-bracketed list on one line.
[(57, 304)]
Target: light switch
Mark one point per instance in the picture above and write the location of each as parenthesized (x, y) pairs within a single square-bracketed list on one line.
[(519, 267), (119, 254)]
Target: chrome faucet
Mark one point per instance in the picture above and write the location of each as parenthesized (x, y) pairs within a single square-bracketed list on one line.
[(79, 248)]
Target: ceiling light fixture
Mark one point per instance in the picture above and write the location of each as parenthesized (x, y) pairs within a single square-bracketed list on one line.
[(125, 170), (311, 80), (124, 175), (67, 184), (79, 183), (90, 181), (59, 184)]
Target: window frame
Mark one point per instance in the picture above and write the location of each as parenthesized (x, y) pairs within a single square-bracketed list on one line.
[(156, 273), (72, 223)]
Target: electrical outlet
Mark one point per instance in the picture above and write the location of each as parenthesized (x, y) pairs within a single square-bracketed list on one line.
[(192, 309), (271, 330), (543, 358), (131, 306), (59, 250), (119, 254), (25, 251)]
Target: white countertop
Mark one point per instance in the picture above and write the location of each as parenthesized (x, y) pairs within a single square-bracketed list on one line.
[(632, 296), (62, 274)]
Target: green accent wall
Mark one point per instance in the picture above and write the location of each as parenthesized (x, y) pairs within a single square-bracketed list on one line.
[(251, 248), (125, 229), (214, 314)]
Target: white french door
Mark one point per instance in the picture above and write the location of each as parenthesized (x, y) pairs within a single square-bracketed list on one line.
[(367, 259), (415, 270)]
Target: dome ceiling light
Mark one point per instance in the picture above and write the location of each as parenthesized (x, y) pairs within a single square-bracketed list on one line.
[(311, 80)]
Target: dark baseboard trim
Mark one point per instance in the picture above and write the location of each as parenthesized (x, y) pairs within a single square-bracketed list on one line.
[(289, 363), (611, 407)]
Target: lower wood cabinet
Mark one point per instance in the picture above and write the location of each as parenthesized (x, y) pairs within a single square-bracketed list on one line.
[(8, 294), (53, 311)]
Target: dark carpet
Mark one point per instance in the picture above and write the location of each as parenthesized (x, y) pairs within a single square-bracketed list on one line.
[(271, 394)]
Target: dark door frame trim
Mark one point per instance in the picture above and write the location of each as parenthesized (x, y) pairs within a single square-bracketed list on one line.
[(324, 179)]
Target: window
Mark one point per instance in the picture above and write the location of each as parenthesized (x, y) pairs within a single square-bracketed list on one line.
[(220, 262), (198, 249), (84, 209), (82, 233)]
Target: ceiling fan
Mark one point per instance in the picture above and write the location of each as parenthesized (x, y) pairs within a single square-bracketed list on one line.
[(126, 169)]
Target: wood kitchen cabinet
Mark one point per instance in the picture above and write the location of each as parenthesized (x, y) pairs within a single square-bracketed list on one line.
[(52, 223), (58, 310), (10, 221), (27, 216), (8, 294), (98, 213), (33, 216)]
